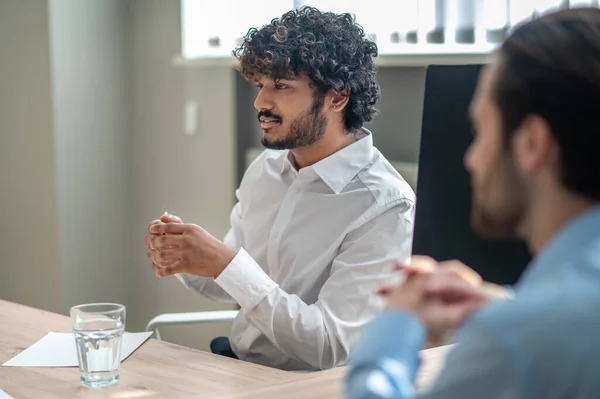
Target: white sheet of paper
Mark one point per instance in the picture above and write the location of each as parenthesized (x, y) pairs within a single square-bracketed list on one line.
[(59, 350), (4, 395)]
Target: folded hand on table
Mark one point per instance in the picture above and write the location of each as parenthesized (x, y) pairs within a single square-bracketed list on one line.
[(443, 295)]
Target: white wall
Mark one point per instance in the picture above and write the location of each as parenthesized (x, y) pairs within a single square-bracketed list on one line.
[(190, 176), (92, 149), (29, 246), (93, 144), (64, 153)]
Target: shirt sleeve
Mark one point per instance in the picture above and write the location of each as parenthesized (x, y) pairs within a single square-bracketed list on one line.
[(386, 360), (322, 334), (479, 366), (207, 286)]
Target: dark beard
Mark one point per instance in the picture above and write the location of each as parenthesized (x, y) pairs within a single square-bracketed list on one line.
[(305, 130), (504, 208)]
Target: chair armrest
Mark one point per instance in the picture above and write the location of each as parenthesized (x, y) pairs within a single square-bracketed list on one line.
[(171, 319)]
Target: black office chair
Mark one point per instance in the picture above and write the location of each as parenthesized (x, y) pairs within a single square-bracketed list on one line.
[(442, 221)]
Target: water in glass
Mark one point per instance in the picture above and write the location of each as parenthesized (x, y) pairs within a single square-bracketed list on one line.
[(98, 334)]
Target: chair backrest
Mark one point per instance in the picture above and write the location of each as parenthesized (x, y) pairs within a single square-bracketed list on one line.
[(442, 221)]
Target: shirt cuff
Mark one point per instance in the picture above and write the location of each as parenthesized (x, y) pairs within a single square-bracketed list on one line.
[(182, 279), (245, 281)]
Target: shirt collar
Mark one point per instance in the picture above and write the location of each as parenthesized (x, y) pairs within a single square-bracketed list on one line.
[(338, 169), (285, 161), (577, 239)]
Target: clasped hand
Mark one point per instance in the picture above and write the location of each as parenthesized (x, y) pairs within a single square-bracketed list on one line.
[(443, 295), (176, 247)]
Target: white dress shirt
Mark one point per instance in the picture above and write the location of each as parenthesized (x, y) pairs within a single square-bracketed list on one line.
[(314, 244)]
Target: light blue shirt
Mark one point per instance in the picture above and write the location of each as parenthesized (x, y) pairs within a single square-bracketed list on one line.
[(545, 343)]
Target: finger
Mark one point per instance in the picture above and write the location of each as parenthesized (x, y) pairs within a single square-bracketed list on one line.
[(443, 317), (449, 288), (391, 286), (149, 241), (163, 242), (168, 218), (169, 270), (169, 228), (452, 289), (152, 242), (463, 271), (457, 314), (412, 270), (408, 294), (157, 270), (418, 264), (153, 255), (152, 223), (167, 257), (494, 291)]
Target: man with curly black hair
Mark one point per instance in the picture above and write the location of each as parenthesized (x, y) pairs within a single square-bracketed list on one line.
[(321, 214), (324, 54)]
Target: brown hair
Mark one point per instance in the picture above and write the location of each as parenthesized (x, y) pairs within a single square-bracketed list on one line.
[(550, 67)]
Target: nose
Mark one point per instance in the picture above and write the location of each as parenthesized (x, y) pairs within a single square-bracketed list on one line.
[(262, 101)]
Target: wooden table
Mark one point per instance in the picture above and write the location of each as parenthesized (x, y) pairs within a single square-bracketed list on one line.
[(162, 370)]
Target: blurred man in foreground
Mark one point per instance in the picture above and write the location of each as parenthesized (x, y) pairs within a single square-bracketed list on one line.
[(535, 167)]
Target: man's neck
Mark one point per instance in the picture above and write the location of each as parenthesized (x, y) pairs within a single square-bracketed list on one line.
[(329, 144), (551, 214)]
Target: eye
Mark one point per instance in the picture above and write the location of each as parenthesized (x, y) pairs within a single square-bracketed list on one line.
[(280, 86), (258, 85)]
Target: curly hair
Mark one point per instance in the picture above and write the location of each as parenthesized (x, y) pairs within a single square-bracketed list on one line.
[(331, 49)]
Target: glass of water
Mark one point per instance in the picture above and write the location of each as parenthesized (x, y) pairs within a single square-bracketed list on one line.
[(98, 329)]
